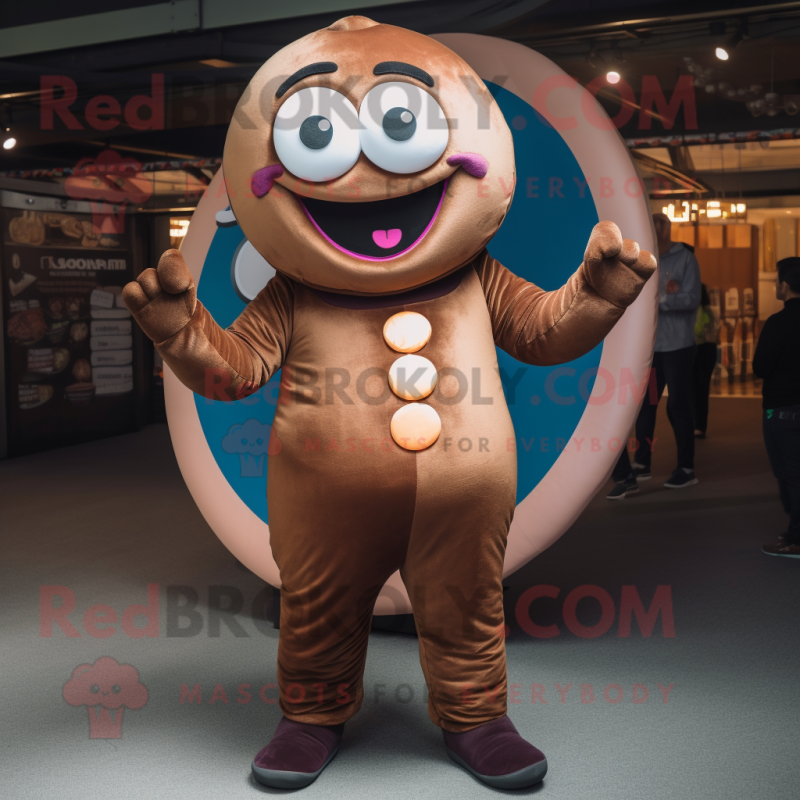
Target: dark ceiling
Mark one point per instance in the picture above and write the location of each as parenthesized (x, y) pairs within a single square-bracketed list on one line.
[(585, 38)]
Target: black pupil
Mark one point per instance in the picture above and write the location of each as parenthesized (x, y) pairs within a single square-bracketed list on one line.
[(316, 132), (399, 124), (94, 688)]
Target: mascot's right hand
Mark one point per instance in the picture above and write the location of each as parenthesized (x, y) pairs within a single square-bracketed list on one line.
[(162, 300)]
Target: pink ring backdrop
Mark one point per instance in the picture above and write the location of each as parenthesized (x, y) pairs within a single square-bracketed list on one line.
[(548, 511)]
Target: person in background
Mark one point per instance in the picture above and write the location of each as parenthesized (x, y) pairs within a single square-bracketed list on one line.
[(706, 333), (777, 363), (673, 362)]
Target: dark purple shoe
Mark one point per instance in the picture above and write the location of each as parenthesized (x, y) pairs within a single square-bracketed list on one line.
[(297, 754), (497, 755)]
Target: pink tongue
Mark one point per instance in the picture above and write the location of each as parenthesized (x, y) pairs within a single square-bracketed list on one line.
[(387, 239)]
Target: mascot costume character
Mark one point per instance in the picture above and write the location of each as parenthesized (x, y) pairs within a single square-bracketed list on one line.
[(356, 164)]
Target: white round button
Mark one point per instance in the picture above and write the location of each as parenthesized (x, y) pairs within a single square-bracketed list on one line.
[(407, 332), (415, 426), (412, 377)]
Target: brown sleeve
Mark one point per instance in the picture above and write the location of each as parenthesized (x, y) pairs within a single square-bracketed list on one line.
[(545, 328), (233, 363)]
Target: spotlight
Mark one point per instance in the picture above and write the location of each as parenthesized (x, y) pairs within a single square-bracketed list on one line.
[(725, 46), (612, 76), (8, 137), (717, 31)]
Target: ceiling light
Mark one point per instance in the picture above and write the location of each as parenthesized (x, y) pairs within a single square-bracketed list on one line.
[(722, 54), (612, 76), (9, 140)]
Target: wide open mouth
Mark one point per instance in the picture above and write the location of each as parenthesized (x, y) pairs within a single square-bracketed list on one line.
[(380, 229)]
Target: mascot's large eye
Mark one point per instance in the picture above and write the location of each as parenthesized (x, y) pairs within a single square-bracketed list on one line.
[(404, 129), (316, 134)]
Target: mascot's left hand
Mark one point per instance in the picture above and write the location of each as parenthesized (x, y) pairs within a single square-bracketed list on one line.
[(615, 267)]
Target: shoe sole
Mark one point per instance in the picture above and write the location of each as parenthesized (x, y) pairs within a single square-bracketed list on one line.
[(782, 555), (623, 495), (283, 779), (529, 776), (643, 477), (692, 482)]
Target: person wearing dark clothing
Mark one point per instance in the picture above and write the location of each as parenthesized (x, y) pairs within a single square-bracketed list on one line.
[(675, 370), (777, 363), (706, 331), (673, 362)]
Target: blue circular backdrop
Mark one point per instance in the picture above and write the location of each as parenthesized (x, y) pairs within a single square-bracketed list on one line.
[(542, 239)]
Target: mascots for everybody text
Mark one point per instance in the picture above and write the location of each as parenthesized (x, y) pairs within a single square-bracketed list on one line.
[(370, 166)]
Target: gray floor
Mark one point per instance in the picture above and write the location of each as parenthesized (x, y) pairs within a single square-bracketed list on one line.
[(106, 519)]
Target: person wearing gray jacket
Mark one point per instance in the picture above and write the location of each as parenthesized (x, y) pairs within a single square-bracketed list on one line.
[(673, 361)]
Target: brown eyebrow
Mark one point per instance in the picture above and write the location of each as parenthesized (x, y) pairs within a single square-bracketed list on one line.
[(319, 68), (401, 68)]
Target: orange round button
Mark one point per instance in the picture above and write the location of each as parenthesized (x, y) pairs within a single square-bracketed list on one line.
[(412, 377), (416, 426), (407, 332)]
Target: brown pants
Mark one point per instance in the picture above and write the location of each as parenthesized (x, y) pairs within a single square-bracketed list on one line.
[(336, 545)]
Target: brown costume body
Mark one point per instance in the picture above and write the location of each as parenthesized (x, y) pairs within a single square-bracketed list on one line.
[(347, 505)]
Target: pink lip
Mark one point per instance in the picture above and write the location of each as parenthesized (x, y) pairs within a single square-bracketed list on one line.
[(388, 233), (263, 180), (472, 163)]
